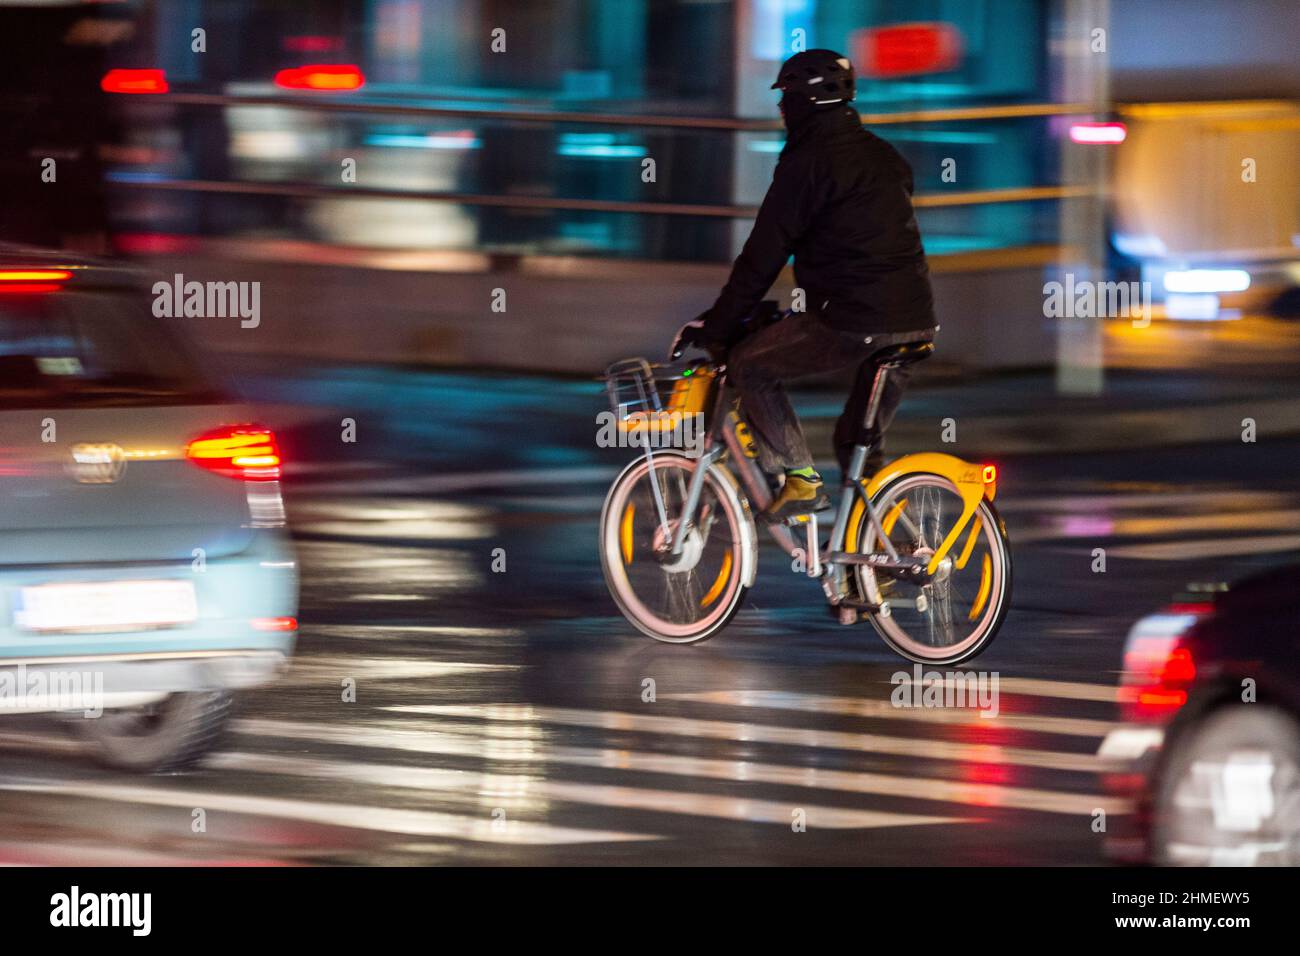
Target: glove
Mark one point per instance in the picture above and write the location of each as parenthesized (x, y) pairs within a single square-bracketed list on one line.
[(693, 335), (689, 336)]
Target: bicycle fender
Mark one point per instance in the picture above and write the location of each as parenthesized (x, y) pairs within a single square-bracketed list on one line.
[(960, 473), (748, 531), (968, 478)]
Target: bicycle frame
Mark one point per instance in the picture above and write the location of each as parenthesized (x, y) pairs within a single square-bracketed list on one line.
[(724, 435)]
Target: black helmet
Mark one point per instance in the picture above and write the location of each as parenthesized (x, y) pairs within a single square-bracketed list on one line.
[(823, 76)]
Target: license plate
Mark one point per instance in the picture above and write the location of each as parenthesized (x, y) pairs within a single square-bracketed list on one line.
[(105, 606)]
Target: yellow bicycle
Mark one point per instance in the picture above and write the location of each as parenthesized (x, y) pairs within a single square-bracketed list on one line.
[(917, 549)]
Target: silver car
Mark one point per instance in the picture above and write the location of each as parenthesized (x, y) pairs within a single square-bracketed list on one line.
[(145, 573)]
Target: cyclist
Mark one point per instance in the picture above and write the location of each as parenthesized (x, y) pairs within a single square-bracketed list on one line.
[(841, 203)]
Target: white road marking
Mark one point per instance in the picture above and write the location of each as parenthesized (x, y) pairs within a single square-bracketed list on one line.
[(521, 722), (1147, 501), (1207, 548), (411, 822), (472, 742), (381, 631), (884, 709), (325, 669), (765, 733), (1032, 687), (525, 793)]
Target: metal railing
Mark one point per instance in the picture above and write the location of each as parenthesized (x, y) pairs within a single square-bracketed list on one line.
[(732, 124), (726, 123)]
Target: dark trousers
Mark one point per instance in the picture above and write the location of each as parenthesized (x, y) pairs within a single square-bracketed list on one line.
[(802, 344)]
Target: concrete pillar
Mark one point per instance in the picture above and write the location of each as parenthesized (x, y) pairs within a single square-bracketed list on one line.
[(1081, 74)]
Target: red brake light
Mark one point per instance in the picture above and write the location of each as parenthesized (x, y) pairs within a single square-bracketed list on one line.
[(274, 623), (990, 474), (237, 451), (1198, 608), (33, 280), (134, 81), (1178, 668), (1158, 666), (327, 77)]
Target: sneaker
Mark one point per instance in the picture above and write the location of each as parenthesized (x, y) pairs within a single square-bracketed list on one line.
[(799, 496)]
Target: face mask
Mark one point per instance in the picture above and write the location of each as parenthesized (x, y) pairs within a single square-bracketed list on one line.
[(795, 109)]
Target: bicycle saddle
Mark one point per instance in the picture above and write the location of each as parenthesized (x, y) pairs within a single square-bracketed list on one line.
[(903, 354)]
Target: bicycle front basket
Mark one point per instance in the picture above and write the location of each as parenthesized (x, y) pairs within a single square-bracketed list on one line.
[(651, 398)]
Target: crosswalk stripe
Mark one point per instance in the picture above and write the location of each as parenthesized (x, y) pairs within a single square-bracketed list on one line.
[(1208, 548), (1146, 500), (1033, 687), (526, 791), (1104, 526), (410, 822), (386, 631), (1165, 513), (875, 708), (322, 668), (983, 795), (764, 733)]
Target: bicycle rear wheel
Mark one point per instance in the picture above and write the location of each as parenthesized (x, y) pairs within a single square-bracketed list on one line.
[(689, 597), (958, 612)]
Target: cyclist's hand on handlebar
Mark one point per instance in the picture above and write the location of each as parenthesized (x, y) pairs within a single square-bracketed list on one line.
[(693, 335), (690, 335)]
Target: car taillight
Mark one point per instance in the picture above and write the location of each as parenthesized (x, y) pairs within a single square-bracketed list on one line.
[(274, 624), (134, 81), (237, 451), (33, 280), (1158, 664), (323, 77)]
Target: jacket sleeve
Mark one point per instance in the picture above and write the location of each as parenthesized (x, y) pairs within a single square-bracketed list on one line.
[(784, 216)]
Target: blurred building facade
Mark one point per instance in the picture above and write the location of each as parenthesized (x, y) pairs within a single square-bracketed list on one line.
[(467, 68), (589, 154)]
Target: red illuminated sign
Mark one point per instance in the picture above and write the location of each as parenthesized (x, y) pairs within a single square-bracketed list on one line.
[(907, 49), (134, 81), (321, 76)]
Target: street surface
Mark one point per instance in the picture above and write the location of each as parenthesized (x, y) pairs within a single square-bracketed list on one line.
[(499, 716)]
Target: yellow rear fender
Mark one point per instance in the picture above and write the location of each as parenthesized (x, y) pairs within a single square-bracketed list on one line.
[(973, 483), (960, 473)]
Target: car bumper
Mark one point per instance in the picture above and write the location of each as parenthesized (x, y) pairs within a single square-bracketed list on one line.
[(242, 635), (1130, 754), (96, 684)]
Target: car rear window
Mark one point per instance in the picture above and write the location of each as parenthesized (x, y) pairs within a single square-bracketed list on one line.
[(79, 349)]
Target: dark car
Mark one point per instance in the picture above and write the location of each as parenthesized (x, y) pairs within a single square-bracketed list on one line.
[(1210, 744)]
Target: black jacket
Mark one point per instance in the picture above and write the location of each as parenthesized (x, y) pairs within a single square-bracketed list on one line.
[(841, 203)]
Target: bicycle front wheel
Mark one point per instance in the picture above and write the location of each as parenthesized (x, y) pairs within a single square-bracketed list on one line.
[(953, 616), (683, 598)]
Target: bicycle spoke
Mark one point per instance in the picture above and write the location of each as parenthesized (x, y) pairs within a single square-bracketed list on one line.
[(930, 511)]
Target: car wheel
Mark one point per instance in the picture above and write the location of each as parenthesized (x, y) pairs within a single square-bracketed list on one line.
[(170, 734), (1229, 793)]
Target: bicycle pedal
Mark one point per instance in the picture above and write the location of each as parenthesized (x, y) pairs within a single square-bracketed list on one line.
[(795, 521), (847, 615)]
